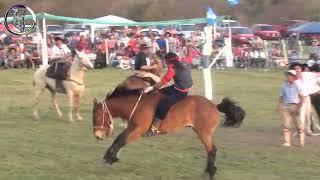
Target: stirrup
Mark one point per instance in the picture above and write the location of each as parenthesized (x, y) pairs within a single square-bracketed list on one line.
[(151, 132), (154, 130)]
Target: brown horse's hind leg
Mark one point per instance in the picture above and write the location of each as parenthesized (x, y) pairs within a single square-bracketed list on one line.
[(206, 139), (127, 136)]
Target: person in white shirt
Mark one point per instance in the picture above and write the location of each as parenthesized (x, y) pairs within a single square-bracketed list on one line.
[(60, 51), (125, 40), (307, 82)]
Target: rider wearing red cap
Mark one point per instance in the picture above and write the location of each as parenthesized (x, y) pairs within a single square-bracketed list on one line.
[(180, 72)]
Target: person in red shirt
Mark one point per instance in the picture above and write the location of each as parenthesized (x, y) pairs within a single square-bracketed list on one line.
[(180, 73), (82, 45), (133, 43)]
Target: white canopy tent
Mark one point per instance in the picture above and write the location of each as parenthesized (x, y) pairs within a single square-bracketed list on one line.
[(109, 18)]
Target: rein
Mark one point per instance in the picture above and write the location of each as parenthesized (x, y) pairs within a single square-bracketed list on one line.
[(80, 84), (105, 109), (135, 107)]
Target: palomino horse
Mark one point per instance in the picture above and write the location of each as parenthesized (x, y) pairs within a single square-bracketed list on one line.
[(74, 86), (139, 108)]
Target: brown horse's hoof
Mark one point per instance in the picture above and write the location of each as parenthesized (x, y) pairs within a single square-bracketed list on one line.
[(110, 160)]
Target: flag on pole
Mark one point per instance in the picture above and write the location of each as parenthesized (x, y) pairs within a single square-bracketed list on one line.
[(233, 2), (211, 16)]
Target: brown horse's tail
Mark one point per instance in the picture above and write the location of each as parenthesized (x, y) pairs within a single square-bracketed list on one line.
[(234, 114)]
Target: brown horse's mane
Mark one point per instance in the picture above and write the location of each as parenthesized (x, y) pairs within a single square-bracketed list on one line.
[(122, 91)]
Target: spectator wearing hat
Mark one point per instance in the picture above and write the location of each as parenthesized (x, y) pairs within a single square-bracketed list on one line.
[(60, 52), (289, 106), (143, 66), (142, 62)]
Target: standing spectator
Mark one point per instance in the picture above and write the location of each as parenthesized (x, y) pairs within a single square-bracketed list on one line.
[(154, 45), (169, 42), (307, 82), (162, 45), (314, 50), (182, 40), (133, 43), (293, 56), (289, 106), (82, 44), (293, 43), (125, 40), (50, 40), (73, 43), (191, 53)]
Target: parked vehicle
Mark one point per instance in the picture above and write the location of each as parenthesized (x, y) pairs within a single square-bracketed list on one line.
[(266, 32), (241, 35), (285, 26), (186, 29), (56, 30), (224, 24), (147, 31)]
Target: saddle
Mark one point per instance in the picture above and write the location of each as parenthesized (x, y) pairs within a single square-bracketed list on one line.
[(59, 70), (135, 82)]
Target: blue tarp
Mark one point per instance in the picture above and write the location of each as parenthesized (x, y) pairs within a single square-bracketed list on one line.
[(307, 28)]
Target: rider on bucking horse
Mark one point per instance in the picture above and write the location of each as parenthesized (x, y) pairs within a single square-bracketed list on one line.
[(180, 72)]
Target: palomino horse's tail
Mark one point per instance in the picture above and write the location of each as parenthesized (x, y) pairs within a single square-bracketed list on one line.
[(234, 113)]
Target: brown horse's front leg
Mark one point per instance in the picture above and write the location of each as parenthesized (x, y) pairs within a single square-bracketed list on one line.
[(127, 136)]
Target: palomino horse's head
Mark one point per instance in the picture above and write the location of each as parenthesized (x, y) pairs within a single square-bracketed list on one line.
[(83, 60), (101, 119)]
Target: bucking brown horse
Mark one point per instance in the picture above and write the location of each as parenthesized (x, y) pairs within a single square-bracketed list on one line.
[(138, 109)]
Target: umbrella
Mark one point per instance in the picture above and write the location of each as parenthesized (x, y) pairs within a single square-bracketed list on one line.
[(307, 28)]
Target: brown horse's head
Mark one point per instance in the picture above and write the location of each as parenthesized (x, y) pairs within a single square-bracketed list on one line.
[(101, 120)]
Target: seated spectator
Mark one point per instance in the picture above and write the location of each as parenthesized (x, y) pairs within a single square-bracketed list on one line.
[(247, 56), (121, 51), (277, 56), (14, 58), (33, 60), (3, 58), (257, 43), (129, 52)]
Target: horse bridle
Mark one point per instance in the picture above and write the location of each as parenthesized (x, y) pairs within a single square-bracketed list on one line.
[(105, 109)]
